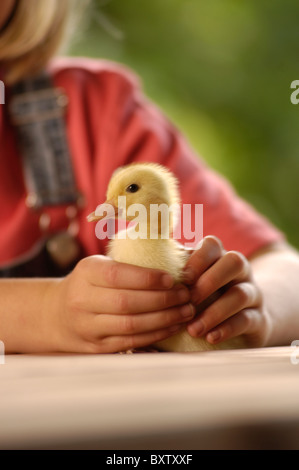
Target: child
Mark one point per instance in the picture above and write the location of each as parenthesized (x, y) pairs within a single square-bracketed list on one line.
[(102, 306)]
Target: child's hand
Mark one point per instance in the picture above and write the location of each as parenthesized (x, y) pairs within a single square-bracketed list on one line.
[(227, 300), (104, 307)]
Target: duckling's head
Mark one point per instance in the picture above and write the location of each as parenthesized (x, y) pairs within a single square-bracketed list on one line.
[(143, 183), (140, 183)]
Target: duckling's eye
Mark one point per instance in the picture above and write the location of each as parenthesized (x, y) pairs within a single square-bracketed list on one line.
[(133, 188)]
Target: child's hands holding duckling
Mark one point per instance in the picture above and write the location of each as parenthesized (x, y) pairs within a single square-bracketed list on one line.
[(227, 299), (104, 306)]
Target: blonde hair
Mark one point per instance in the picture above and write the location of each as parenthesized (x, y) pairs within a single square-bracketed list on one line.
[(34, 35)]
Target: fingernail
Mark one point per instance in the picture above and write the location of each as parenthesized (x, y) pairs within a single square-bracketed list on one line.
[(197, 329), (175, 328), (214, 336), (183, 295), (187, 311), (167, 280), (199, 244), (189, 275)]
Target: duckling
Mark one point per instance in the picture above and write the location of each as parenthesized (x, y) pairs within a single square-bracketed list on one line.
[(142, 187)]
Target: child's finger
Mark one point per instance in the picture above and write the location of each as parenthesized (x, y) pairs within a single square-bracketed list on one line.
[(102, 271), (232, 267), (115, 325), (235, 326), (209, 251), (236, 299), (102, 300), (113, 344)]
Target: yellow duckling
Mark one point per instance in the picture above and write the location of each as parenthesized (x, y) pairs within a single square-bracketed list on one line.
[(143, 188)]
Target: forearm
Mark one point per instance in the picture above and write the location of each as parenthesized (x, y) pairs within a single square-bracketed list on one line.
[(277, 275), (24, 315)]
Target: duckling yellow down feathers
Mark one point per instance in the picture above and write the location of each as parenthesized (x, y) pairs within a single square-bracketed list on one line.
[(148, 242)]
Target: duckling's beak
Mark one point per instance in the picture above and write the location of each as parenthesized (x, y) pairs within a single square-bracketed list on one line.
[(107, 210)]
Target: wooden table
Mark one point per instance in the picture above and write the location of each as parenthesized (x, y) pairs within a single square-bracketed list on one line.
[(246, 399)]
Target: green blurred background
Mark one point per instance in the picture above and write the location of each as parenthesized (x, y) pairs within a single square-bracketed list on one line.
[(221, 70)]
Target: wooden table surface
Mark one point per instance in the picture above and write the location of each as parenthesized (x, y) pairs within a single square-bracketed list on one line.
[(242, 399)]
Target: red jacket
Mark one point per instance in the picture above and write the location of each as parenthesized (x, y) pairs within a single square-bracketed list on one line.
[(109, 124)]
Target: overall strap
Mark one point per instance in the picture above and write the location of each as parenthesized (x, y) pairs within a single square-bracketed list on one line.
[(37, 110)]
